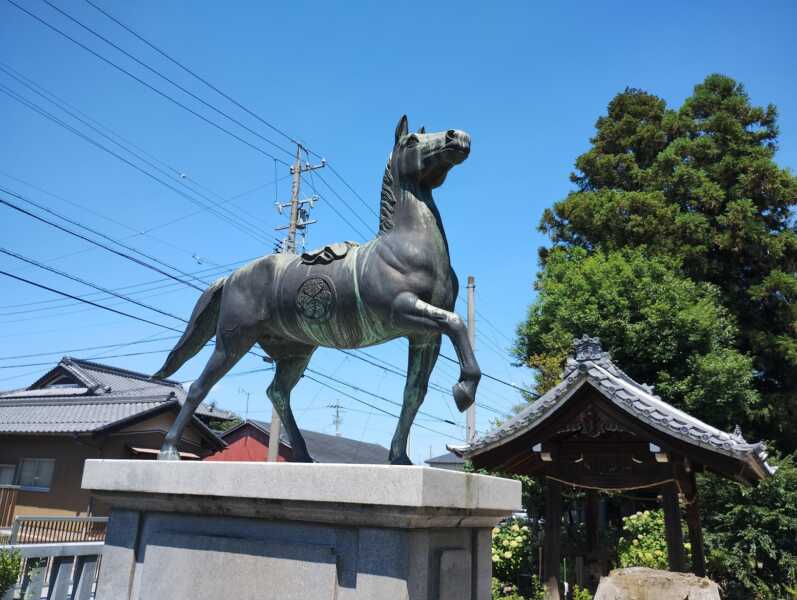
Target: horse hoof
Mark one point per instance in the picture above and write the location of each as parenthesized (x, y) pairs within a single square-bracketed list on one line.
[(464, 394), (168, 454), (402, 459)]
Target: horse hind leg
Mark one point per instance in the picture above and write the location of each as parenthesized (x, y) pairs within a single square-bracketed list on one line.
[(226, 353), (290, 368)]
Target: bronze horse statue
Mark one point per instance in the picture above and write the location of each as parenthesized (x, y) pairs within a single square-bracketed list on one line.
[(399, 284)]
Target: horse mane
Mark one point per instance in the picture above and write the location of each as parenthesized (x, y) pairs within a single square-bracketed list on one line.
[(387, 205)]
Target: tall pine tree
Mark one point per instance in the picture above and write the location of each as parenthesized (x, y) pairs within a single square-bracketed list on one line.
[(697, 188)]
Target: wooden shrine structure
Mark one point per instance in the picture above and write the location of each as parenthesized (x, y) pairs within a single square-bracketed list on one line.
[(600, 430)]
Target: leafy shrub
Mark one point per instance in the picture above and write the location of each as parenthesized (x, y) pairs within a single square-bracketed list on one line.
[(512, 550), (751, 534), (504, 591), (10, 564), (580, 593), (643, 542)]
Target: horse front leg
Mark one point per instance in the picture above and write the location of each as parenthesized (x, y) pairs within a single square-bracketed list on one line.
[(413, 311), (422, 358)]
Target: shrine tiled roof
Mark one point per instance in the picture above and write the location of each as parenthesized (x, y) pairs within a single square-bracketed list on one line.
[(589, 364)]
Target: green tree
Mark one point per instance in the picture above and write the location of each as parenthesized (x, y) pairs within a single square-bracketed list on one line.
[(660, 326), (751, 534), (698, 185), (10, 565)]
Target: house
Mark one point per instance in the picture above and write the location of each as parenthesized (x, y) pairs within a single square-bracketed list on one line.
[(79, 410), (449, 461), (248, 441)]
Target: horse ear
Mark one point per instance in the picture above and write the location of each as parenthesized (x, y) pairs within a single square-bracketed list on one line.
[(402, 128), (422, 130)]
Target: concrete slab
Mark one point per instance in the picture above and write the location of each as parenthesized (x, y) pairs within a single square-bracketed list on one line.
[(382, 485)]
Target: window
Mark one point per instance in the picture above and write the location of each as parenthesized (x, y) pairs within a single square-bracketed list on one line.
[(36, 474), (7, 474), (64, 381)]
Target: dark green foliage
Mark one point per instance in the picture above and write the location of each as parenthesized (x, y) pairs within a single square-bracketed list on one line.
[(660, 326), (698, 186), (222, 425), (678, 249), (751, 534), (10, 565)]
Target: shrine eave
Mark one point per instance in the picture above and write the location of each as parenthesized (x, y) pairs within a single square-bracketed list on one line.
[(590, 366)]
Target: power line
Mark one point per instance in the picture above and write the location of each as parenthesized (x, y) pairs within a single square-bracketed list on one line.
[(346, 204), (108, 308), (162, 76), (188, 70), (337, 212), (180, 175), (96, 243), (232, 219), (377, 396), (36, 263), (496, 379), (88, 348), (221, 93), (142, 82), (148, 286), (377, 408), (44, 364)]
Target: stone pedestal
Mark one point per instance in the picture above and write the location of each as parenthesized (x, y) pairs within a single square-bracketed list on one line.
[(224, 530)]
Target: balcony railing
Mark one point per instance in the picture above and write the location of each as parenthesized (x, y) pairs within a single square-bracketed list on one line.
[(56, 571), (57, 530), (8, 502)]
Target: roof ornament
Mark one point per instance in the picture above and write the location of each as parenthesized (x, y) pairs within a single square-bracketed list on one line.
[(585, 349), (588, 348), (737, 434)]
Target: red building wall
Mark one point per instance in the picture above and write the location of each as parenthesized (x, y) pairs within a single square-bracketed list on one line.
[(248, 443)]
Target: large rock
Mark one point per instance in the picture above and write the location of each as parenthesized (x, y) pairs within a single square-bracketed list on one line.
[(639, 583)]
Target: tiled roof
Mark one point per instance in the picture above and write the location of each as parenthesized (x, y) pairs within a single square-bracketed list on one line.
[(449, 458), (98, 397), (70, 417), (590, 364), (326, 448)]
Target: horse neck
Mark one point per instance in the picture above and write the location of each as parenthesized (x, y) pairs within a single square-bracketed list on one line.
[(416, 210)]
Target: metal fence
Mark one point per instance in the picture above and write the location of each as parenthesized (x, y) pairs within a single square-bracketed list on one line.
[(57, 530)]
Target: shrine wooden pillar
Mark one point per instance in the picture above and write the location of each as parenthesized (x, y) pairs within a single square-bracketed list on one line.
[(552, 542), (672, 528), (592, 508), (693, 524)]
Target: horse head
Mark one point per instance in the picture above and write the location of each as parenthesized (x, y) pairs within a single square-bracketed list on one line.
[(426, 158)]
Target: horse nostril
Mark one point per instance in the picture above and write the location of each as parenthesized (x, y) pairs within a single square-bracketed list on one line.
[(451, 135)]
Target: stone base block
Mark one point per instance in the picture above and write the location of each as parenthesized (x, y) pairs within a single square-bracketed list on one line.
[(638, 583), (219, 530)]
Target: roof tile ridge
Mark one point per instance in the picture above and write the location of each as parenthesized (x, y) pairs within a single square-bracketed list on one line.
[(72, 365), (658, 402), (124, 372)]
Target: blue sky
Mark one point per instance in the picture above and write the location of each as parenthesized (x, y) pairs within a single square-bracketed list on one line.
[(526, 80)]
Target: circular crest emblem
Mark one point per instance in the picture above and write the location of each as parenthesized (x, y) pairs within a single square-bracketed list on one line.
[(315, 298)]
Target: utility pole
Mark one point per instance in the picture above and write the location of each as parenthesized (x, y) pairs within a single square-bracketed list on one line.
[(299, 220), (247, 394), (471, 413), (337, 421)]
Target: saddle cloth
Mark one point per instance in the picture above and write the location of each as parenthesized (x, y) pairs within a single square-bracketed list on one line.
[(327, 254)]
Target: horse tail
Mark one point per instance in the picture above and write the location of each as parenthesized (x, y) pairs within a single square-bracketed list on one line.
[(200, 329)]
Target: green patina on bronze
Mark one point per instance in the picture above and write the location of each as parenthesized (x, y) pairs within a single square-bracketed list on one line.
[(399, 284)]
